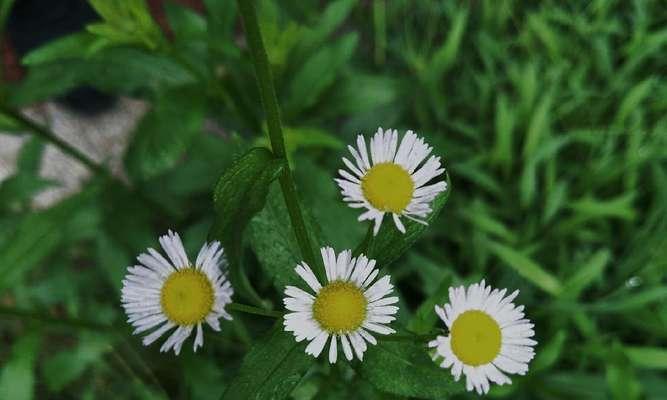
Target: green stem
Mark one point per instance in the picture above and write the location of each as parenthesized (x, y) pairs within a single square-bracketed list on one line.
[(254, 310), (53, 139), (144, 366), (125, 366), (270, 104), (58, 321), (407, 338), (237, 274), (366, 245), (7, 312), (66, 148)]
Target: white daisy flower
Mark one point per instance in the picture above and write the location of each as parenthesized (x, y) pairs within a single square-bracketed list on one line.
[(391, 181), (345, 309), (162, 295), (487, 334)]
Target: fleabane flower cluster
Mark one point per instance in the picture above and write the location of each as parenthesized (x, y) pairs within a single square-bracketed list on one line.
[(488, 336)]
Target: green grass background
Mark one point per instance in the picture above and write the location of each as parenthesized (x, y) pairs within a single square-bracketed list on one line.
[(551, 119)]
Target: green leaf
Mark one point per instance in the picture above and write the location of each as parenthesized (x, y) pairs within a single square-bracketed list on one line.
[(204, 375), (242, 190), (544, 33), (527, 268), (480, 218), (318, 73), (17, 191), (186, 24), (633, 99), (473, 172), (37, 236), (75, 45), (389, 244), (550, 352), (125, 70), (320, 195), (575, 385), (331, 18), (5, 8), (30, 157), (303, 138), (556, 200), (405, 369), (538, 128), (621, 378), (113, 260), (618, 207), (272, 239), (627, 302), (17, 379), (66, 366), (222, 15), (505, 120), (165, 133), (425, 318), (298, 138), (647, 357), (364, 95), (587, 273), (240, 194), (272, 368), (445, 55), (125, 21), (8, 124)]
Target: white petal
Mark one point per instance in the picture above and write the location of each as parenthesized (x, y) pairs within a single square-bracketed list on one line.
[(346, 347), (398, 223), (304, 271), (358, 344), (157, 333), (377, 328), (199, 339), (333, 350), (315, 347)]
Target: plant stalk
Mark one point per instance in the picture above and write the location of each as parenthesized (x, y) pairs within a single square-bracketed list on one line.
[(7, 312), (407, 338), (270, 103), (46, 135), (72, 151), (254, 310)]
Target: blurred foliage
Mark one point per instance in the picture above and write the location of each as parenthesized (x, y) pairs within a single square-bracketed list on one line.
[(552, 120)]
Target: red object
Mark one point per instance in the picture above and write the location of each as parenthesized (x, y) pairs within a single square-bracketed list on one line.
[(157, 10), (11, 69)]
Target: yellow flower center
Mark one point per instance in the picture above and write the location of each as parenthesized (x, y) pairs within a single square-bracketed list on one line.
[(388, 187), (340, 307), (187, 296), (476, 338)]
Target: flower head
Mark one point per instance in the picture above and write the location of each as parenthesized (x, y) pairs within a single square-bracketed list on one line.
[(394, 180), (160, 294), (487, 334), (346, 308)]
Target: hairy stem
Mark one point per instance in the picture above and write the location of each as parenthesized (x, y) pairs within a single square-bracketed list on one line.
[(270, 103)]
